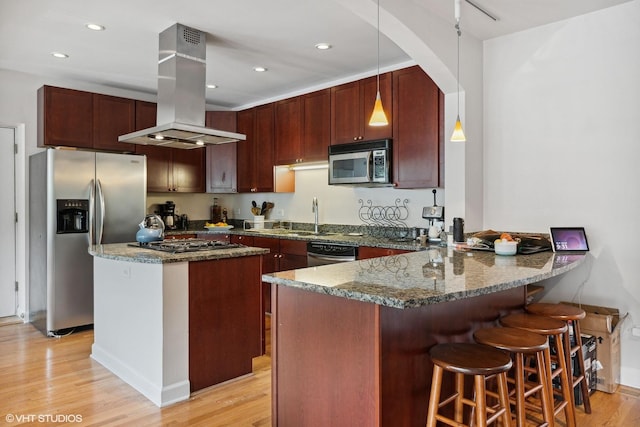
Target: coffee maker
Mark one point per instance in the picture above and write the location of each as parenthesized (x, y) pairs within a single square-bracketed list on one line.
[(168, 214)]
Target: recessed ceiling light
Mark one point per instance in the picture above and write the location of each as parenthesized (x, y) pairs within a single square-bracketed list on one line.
[(211, 86), (260, 69), (323, 46), (95, 27), (59, 55)]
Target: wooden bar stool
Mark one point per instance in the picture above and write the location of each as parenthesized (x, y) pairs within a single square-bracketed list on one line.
[(571, 315), (521, 343), (550, 328), (481, 362)]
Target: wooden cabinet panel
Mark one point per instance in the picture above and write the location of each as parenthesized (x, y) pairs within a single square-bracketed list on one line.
[(159, 168), (316, 126), (112, 116), (256, 154), (417, 139), (221, 159), (264, 148), (65, 117), (224, 319), (173, 169), (288, 131), (351, 107), (366, 252), (243, 240), (189, 170), (270, 263), (146, 115)]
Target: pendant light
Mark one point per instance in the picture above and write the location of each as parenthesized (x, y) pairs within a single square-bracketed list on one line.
[(458, 133), (378, 117)]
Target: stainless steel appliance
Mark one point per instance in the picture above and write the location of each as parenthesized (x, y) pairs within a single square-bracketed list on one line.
[(76, 198), (323, 253), (187, 245), (181, 94), (361, 163)]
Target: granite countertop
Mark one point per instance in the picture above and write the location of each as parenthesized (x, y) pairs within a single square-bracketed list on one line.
[(125, 252), (304, 235), (426, 277)]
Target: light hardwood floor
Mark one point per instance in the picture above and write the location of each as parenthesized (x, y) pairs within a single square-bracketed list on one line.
[(47, 376)]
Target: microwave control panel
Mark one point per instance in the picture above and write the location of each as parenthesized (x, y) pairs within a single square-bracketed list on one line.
[(379, 166)]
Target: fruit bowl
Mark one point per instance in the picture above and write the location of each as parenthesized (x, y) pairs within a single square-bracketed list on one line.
[(505, 247)]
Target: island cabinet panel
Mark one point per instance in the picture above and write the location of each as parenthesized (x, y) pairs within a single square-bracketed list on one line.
[(366, 252), (146, 115), (339, 362), (418, 143), (256, 154), (224, 319), (222, 158), (113, 116), (317, 335), (352, 105)]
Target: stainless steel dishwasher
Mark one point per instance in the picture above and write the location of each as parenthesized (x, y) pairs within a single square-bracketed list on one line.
[(322, 253)]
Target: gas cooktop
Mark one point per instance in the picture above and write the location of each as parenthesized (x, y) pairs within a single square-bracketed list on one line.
[(186, 245)]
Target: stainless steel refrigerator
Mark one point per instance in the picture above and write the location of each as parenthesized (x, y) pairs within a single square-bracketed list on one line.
[(76, 199)]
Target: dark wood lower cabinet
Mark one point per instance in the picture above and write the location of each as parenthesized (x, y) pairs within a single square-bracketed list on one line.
[(341, 362), (224, 319)]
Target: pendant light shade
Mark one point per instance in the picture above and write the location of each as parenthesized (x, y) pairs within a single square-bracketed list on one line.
[(378, 117), (458, 133)]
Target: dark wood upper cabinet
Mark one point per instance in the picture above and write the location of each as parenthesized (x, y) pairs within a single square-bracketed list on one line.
[(417, 130), (146, 114), (351, 107), (316, 126), (112, 116), (65, 117), (73, 118), (288, 131), (188, 170), (221, 159), (256, 154)]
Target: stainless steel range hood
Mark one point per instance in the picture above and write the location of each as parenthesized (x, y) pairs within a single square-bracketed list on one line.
[(181, 95)]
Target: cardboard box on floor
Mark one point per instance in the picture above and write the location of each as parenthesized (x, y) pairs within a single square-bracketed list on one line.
[(604, 324)]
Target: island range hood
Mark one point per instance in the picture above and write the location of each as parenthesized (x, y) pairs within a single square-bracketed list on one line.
[(181, 95)]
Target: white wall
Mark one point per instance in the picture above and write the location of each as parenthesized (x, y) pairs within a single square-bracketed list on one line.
[(561, 148)]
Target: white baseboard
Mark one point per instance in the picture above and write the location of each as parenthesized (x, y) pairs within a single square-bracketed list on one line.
[(160, 396), (630, 377)]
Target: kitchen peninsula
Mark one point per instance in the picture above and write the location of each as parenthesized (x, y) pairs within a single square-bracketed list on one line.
[(169, 324), (350, 341)]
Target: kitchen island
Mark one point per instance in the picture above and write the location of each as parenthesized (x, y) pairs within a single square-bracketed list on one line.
[(169, 324), (350, 341)]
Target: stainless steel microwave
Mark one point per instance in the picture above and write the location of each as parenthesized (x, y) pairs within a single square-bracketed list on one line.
[(361, 163)]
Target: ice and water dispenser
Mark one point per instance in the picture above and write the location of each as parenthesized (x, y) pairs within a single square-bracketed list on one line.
[(73, 216)]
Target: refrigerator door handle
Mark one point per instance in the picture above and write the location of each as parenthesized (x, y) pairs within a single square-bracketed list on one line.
[(92, 214), (100, 227)]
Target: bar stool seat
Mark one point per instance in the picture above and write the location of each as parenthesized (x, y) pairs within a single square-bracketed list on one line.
[(519, 343), (572, 315), (550, 328), (475, 360)]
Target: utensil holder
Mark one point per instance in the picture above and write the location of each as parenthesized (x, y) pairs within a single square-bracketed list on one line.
[(258, 221)]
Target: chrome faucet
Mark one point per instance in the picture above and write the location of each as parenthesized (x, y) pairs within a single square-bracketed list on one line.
[(314, 209)]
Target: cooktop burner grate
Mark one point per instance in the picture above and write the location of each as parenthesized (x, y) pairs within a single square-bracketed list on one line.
[(187, 245)]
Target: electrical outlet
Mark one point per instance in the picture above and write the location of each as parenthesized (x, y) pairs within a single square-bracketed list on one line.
[(280, 213), (237, 211), (635, 331)]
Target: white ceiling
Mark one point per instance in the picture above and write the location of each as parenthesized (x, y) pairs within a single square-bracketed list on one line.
[(277, 34)]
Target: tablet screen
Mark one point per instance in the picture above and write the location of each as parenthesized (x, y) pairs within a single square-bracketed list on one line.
[(568, 239)]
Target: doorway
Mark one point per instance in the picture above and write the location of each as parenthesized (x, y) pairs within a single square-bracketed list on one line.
[(8, 292)]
